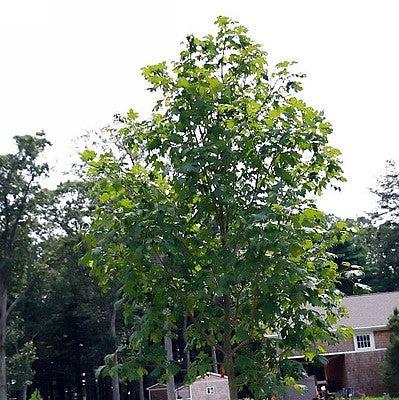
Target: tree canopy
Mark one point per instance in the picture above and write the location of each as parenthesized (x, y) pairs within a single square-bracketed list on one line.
[(213, 216), (20, 193)]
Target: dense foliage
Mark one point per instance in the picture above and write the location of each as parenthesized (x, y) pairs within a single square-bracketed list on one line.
[(20, 201), (391, 372), (214, 215)]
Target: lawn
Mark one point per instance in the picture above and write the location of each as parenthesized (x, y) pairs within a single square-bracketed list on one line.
[(379, 398)]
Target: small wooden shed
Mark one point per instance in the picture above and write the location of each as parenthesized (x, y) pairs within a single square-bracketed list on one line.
[(157, 392), (209, 387)]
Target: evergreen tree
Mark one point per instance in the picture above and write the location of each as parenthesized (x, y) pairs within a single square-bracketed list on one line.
[(391, 372), (383, 274)]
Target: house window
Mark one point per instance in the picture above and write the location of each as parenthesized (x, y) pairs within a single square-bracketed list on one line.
[(210, 390), (364, 341)]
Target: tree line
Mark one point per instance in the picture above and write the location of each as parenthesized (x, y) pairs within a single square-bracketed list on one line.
[(187, 239)]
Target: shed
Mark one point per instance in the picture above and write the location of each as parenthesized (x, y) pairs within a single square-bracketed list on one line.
[(157, 392), (211, 386)]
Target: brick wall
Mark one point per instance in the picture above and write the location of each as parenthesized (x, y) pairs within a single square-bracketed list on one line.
[(346, 345), (364, 371), (381, 339), (158, 394)]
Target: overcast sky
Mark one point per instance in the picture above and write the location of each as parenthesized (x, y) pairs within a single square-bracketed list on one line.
[(69, 66)]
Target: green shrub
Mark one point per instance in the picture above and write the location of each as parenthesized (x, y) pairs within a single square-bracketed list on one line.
[(36, 395)]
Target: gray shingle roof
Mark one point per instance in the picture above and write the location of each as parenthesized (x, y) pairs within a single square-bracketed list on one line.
[(369, 310)]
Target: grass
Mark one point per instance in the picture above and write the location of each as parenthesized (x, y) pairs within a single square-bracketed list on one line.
[(378, 398)]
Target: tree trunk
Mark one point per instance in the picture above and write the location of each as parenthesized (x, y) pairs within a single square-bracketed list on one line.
[(230, 372), (60, 388), (170, 384), (115, 378), (3, 327), (115, 387), (227, 349), (23, 392), (141, 393), (214, 360), (186, 349)]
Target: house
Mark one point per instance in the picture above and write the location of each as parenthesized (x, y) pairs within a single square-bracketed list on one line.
[(358, 362), (355, 363), (209, 387)]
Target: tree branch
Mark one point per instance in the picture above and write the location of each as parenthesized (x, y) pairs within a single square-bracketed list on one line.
[(16, 301)]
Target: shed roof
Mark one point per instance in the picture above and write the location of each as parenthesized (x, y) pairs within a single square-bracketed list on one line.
[(370, 310), (157, 386), (209, 374)]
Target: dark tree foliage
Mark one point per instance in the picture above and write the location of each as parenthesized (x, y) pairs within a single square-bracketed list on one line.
[(391, 372), (383, 274), (66, 312), (354, 257), (388, 193), (20, 196)]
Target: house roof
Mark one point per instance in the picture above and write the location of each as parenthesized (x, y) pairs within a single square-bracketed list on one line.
[(370, 310), (211, 374)]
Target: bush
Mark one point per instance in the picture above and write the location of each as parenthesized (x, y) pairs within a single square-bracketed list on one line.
[(36, 395)]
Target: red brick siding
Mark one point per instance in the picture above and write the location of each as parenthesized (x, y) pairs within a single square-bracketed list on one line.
[(381, 339), (364, 371), (346, 345), (158, 394)]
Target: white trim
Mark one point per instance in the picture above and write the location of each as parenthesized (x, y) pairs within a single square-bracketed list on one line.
[(181, 387), (358, 328), (210, 374), (344, 352), (157, 384), (365, 328)]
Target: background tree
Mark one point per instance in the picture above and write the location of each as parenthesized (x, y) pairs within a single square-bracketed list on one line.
[(214, 216), (392, 358), (388, 193), (20, 368), (66, 312), (20, 189), (354, 256), (71, 322), (383, 274)]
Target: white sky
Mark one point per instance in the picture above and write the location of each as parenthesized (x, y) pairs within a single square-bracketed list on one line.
[(68, 66)]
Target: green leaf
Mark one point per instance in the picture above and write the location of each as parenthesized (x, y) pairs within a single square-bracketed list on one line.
[(88, 155), (183, 82)]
